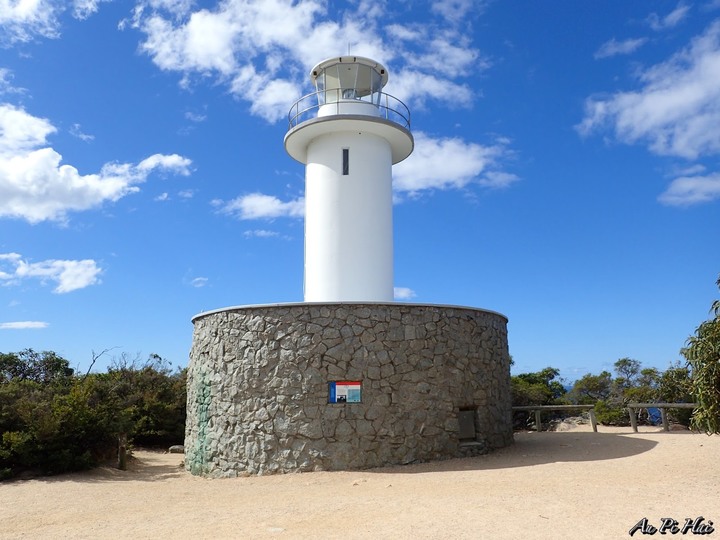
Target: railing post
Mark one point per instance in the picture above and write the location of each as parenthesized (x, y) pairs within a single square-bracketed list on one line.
[(538, 423), (663, 415), (593, 421), (633, 419)]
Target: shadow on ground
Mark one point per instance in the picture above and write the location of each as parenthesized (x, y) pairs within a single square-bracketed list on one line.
[(143, 466), (531, 448)]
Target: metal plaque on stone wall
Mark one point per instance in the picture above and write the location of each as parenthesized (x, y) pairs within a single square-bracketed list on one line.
[(344, 392)]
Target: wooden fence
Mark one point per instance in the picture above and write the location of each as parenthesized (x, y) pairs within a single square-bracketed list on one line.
[(634, 407), (537, 409)]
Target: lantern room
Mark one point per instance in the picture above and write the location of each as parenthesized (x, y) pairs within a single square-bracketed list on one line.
[(349, 78)]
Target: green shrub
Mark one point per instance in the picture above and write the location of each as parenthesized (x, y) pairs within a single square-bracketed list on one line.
[(703, 354), (52, 421), (611, 414), (540, 388)]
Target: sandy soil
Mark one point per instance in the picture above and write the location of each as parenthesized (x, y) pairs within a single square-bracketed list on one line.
[(572, 484)]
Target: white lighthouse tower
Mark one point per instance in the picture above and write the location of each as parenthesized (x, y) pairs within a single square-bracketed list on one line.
[(349, 134)]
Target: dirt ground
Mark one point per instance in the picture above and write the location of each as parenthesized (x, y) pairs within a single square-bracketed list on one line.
[(571, 484)]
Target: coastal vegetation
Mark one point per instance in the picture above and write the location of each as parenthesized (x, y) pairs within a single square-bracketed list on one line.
[(53, 420), (697, 380)]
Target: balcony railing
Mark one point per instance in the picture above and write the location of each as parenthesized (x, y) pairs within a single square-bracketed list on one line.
[(388, 107)]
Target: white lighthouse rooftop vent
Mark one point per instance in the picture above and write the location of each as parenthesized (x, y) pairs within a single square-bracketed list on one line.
[(349, 134)]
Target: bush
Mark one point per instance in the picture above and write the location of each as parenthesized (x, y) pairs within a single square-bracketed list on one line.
[(611, 414), (675, 386), (53, 421), (703, 354), (539, 388), (152, 400)]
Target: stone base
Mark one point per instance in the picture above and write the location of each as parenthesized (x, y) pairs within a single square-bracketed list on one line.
[(260, 393)]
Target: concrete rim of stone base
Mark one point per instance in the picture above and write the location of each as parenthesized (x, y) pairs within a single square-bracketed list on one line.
[(297, 304)]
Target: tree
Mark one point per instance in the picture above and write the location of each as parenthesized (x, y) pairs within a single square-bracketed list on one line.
[(627, 371), (151, 398), (591, 388), (675, 386), (28, 365), (703, 354), (610, 396), (539, 388), (645, 387)]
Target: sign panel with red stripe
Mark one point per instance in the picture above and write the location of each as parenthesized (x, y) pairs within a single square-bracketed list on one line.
[(345, 392)]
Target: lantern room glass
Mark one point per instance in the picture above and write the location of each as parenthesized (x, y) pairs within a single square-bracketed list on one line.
[(348, 81)]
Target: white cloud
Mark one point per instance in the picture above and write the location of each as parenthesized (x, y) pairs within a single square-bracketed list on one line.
[(162, 197), (415, 88), (269, 99), (689, 190), (23, 325), (180, 7), (692, 170), (204, 43), (676, 111), (450, 163), (82, 9), (172, 163), (403, 293), (260, 233), (35, 186), (21, 132), (195, 117), (671, 20), (614, 47), (454, 10), (497, 179), (263, 50), (6, 87), (448, 55), (21, 21), (406, 32), (186, 194), (261, 206), (69, 275), (199, 282), (76, 131)]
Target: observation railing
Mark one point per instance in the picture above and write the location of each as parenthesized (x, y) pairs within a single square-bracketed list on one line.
[(388, 107)]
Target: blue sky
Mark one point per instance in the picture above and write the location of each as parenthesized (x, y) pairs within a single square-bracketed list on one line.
[(566, 171)]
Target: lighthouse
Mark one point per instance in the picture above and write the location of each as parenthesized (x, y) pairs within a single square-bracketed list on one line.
[(347, 379), (348, 134)]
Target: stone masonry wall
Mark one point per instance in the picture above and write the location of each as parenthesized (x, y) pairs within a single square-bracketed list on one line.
[(258, 387)]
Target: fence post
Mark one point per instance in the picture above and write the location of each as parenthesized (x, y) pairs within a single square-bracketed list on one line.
[(593, 421), (663, 415), (122, 452), (633, 419)]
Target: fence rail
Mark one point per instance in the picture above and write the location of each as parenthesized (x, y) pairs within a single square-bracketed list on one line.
[(537, 409), (634, 407)]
